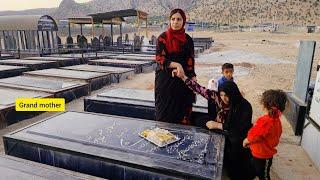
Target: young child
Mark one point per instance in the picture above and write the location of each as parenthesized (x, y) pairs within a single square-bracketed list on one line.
[(264, 136), (227, 75)]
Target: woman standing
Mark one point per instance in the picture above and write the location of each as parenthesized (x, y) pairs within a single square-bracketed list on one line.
[(175, 50)]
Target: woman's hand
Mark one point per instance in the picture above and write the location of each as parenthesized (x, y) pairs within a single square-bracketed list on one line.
[(182, 76), (174, 73), (180, 72), (194, 78), (214, 125), (245, 143)]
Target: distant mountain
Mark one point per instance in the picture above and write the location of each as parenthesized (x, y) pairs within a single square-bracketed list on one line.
[(257, 11), (29, 12), (69, 8), (245, 12)]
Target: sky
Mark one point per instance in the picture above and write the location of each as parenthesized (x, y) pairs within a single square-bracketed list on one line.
[(16, 5)]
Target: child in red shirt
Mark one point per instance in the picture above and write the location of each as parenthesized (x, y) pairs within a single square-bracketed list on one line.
[(264, 136)]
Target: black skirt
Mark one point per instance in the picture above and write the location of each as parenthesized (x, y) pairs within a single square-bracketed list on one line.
[(172, 97)]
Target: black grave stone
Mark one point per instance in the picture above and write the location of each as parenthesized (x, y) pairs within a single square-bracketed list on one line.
[(295, 113), (107, 41), (82, 42), (119, 41), (83, 57), (62, 61), (133, 57), (109, 146), (16, 168), (69, 42), (136, 43), (8, 96), (9, 71), (31, 64), (59, 40), (5, 56), (118, 74), (95, 43), (153, 40), (59, 88), (138, 66), (126, 38), (94, 79), (138, 104)]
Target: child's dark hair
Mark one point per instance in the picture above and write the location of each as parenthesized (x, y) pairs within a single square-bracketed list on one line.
[(227, 66), (272, 99)]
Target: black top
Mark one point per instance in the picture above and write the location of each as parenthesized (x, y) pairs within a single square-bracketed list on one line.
[(239, 122)]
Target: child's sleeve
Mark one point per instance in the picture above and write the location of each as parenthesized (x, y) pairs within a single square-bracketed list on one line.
[(161, 53), (258, 131), (206, 93)]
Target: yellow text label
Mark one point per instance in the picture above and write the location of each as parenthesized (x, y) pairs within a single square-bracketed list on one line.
[(40, 104)]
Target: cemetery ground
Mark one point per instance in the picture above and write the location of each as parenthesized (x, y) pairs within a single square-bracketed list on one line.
[(262, 61)]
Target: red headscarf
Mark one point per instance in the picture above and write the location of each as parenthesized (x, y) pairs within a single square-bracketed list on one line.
[(176, 38)]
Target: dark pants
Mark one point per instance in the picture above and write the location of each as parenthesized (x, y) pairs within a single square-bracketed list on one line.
[(262, 167), (237, 163)]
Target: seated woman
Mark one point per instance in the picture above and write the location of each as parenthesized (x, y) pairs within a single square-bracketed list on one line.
[(234, 117)]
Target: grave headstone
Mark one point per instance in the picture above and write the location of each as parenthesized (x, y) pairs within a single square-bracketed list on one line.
[(106, 41), (153, 40), (297, 105), (82, 42), (126, 38), (119, 41), (69, 42), (101, 39), (78, 37), (137, 43), (59, 41), (303, 71), (95, 43)]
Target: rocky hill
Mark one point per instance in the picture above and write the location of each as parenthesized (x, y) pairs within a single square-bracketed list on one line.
[(245, 12)]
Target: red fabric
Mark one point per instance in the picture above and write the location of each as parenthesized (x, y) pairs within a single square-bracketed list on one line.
[(175, 39), (264, 136)]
